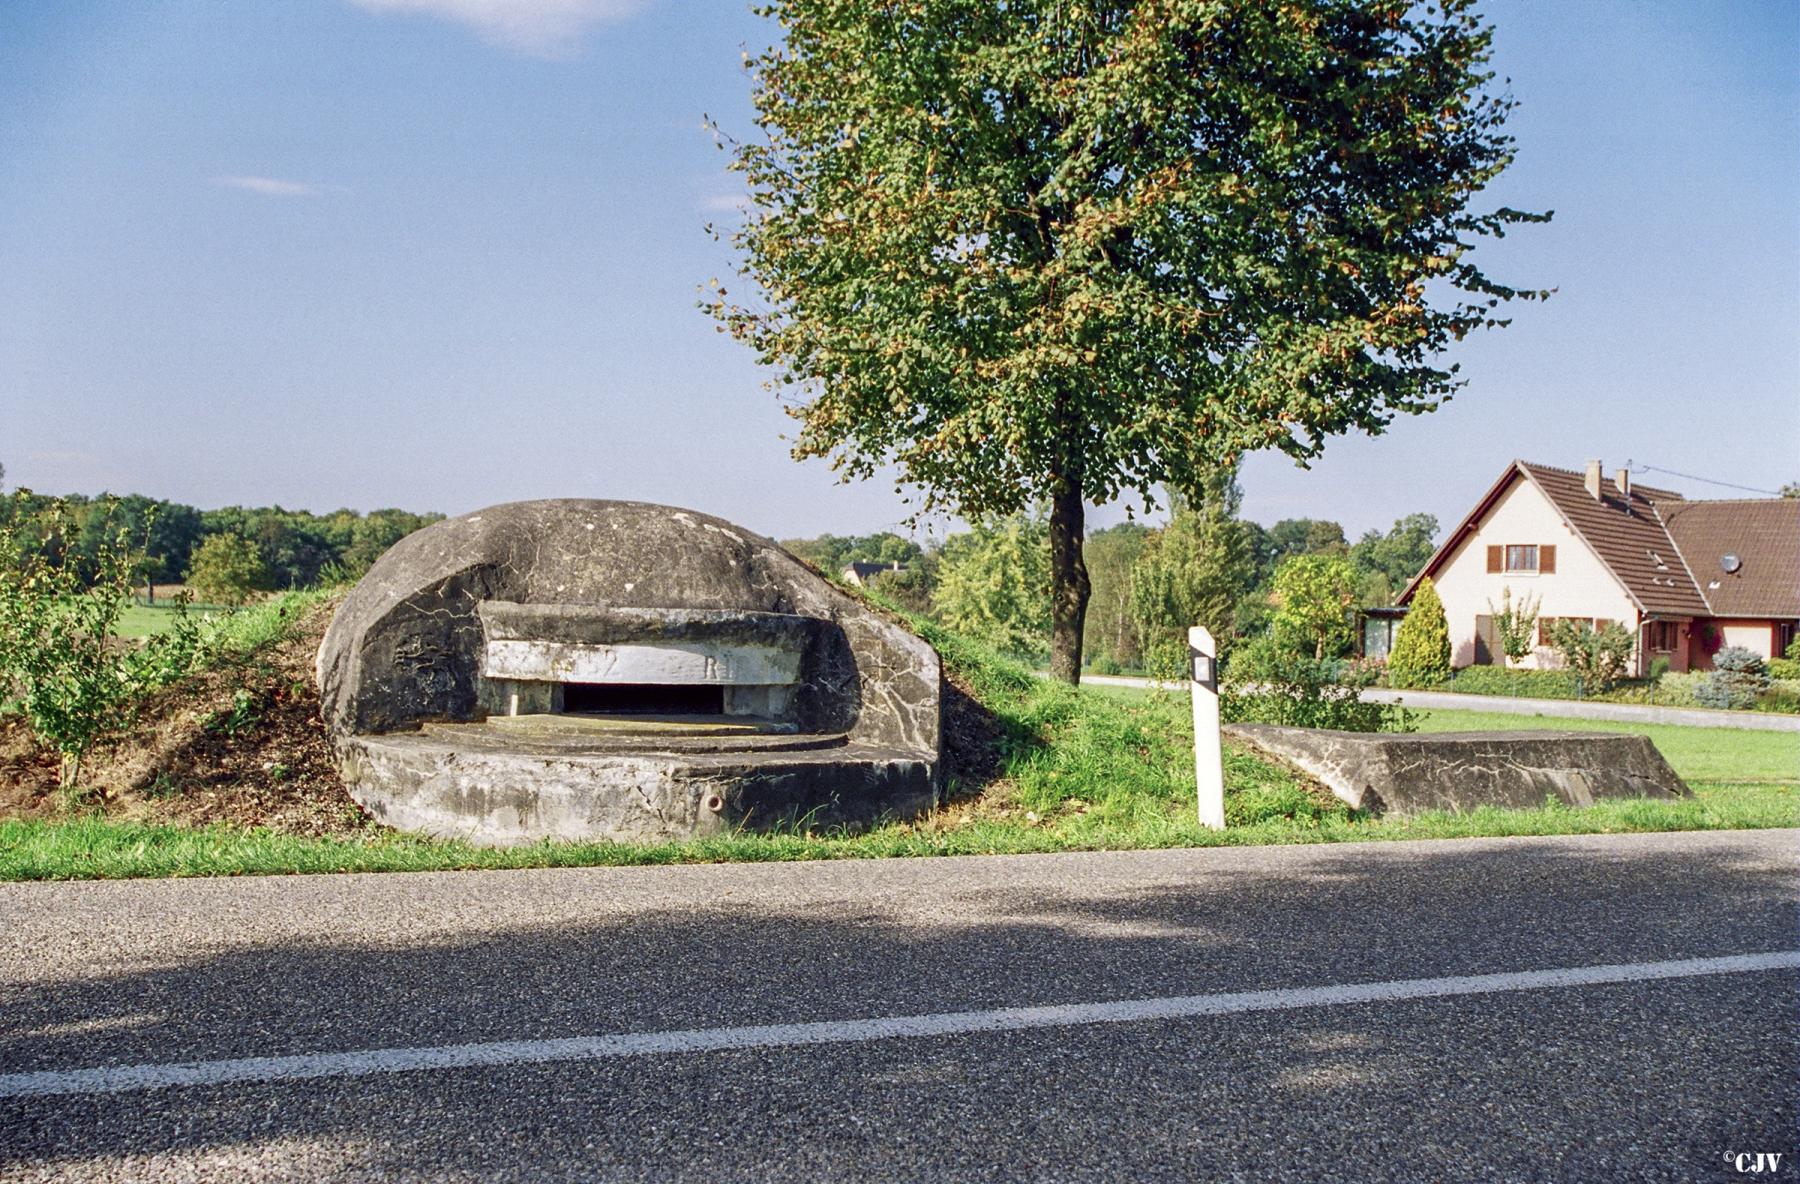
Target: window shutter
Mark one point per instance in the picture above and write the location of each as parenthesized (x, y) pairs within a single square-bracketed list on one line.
[(1547, 559), (1495, 558)]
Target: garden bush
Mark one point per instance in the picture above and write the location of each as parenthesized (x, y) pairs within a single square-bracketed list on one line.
[(1523, 684), (1680, 690), (1597, 657), (1738, 677), (1782, 696), (1266, 683)]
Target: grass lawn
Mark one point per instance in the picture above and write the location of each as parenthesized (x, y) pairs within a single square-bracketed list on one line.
[(1698, 754), (1087, 770), (143, 620)]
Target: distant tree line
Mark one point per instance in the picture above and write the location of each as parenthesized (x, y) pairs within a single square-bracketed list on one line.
[(1294, 584), (267, 547)]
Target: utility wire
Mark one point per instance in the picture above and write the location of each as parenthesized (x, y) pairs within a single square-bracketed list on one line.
[(1633, 466)]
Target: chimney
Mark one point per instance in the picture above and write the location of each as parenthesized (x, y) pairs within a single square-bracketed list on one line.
[(1622, 479), (1592, 481)]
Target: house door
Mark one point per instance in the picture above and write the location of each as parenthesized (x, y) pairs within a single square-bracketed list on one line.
[(1487, 640)]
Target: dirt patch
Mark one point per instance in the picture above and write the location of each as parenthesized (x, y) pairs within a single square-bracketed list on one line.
[(240, 743), (972, 739)]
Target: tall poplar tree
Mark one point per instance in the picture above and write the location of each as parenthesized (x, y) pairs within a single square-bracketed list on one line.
[(1068, 250)]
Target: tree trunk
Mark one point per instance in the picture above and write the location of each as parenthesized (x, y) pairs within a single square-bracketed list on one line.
[(1069, 587)]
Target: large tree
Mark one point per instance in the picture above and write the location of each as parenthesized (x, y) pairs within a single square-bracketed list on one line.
[(1069, 250)]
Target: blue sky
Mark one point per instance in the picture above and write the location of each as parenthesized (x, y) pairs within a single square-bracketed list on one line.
[(445, 253)]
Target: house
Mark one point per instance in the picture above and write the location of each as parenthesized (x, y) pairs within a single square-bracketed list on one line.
[(860, 573), (1687, 577)]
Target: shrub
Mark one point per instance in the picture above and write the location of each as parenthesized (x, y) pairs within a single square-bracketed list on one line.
[(1421, 653), (1784, 668), (1524, 684), (1598, 657), (1267, 684), (1738, 677), (1516, 624), (1783, 696), (1680, 690), (59, 660)]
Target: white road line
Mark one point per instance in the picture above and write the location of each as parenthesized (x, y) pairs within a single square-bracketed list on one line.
[(360, 1063)]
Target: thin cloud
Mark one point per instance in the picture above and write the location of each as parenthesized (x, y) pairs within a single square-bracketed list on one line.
[(725, 203), (268, 186), (541, 28)]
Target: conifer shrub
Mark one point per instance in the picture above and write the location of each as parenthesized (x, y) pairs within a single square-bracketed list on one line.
[(1421, 653)]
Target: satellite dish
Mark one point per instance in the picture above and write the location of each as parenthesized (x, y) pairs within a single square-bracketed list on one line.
[(1730, 562)]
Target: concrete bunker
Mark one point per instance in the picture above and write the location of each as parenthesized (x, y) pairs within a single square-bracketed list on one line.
[(598, 669)]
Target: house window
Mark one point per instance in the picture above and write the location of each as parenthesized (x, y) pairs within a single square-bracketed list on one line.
[(1521, 557), (1662, 636)]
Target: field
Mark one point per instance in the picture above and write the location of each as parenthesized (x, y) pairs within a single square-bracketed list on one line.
[(144, 620)]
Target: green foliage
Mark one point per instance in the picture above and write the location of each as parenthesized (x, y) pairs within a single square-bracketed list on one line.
[(1598, 657), (1313, 596), (1111, 642), (1386, 563), (1421, 653), (832, 553), (1194, 571), (994, 585), (227, 569), (370, 537), (1524, 684), (59, 661), (1516, 625), (1738, 677), (1784, 668), (1782, 696), (297, 547), (1058, 252), (1680, 689), (1267, 683)]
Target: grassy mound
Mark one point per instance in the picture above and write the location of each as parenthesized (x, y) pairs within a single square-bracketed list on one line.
[(1085, 763), (235, 740), (228, 773)]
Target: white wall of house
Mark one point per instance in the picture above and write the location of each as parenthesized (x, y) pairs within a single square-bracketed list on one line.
[(1580, 587)]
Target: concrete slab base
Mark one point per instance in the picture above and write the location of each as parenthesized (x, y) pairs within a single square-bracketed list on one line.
[(1400, 773), (453, 786)]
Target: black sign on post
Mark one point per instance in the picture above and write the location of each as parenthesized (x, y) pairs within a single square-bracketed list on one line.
[(1202, 668)]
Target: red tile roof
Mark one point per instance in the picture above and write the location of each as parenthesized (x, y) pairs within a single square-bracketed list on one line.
[(1764, 534), (1628, 536), (1663, 549)]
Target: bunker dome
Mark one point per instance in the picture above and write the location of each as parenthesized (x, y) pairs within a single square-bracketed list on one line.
[(601, 669)]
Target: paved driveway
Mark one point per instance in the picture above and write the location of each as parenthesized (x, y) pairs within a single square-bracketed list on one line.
[(1588, 1008)]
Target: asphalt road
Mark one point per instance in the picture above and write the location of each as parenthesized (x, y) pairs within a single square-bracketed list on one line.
[(664, 1023)]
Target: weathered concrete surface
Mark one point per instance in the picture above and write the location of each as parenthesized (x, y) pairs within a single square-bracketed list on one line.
[(581, 580), (496, 796), (1398, 773)]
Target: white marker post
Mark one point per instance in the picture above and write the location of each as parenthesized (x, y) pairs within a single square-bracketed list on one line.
[(1209, 758)]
